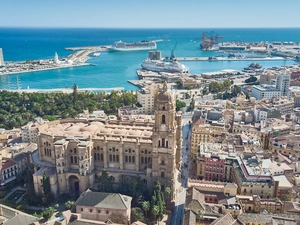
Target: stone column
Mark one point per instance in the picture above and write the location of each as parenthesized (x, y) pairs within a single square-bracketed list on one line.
[(121, 154), (105, 153), (137, 155)]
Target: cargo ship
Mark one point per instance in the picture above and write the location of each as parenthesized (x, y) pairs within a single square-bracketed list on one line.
[(121, 46)]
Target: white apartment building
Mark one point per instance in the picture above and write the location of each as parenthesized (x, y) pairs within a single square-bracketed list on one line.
[(145, 98), (270, 91), (265, 91), (283, 84), (29, 132)]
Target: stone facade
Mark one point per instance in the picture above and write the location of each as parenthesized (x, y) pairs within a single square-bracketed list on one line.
[(80, 149)]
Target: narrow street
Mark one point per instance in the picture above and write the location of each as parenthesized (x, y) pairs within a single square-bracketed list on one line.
[(177, 217)]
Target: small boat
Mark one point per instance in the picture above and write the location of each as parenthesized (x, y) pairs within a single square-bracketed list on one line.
[(96, 54)]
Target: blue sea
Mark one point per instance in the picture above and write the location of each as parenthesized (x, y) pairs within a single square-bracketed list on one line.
[(114, 69)]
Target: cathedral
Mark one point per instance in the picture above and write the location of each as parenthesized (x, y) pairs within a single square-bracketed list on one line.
[(73, 151)]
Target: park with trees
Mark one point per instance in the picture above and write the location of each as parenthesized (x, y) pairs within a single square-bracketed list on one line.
[(18, 108)]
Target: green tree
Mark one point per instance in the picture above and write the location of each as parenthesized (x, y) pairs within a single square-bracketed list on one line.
[(158, 200), (187, 96), (155, 212), (226, 85), (204, 91), (179, 104), (146, 207), (192, 104), (75, 94), (69, 204), (48, 212), (137, 215), (105, 182), (47, 188), (30, 193), (268, 193)]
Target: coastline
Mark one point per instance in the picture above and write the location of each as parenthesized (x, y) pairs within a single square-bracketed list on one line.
[(66, 90)]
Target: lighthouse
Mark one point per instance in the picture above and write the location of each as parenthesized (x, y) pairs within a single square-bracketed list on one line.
[(56, 61)]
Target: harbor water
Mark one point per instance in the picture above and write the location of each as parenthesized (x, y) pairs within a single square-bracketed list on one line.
[(113, 69)]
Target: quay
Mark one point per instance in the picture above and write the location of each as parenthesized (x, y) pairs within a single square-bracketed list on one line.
[(231, 59), (92, 48), (67, 90)]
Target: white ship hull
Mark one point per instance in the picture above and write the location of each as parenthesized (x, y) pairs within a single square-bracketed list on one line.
[(114, 49), (121, 46), (161, 66)]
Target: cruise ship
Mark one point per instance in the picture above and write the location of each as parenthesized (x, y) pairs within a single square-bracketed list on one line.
[(121, 46), (164, 66)]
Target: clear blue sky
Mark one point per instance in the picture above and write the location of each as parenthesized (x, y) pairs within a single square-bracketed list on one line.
[(150, 14)]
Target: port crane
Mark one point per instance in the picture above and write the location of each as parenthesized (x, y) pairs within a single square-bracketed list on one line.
[(208, 39)]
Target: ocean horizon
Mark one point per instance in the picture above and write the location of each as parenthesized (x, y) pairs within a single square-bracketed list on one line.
[(113, 69)]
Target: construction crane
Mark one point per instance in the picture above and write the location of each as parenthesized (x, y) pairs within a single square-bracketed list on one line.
[(208, 39)]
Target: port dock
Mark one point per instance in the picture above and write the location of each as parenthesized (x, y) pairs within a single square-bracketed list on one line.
[(232, 59)]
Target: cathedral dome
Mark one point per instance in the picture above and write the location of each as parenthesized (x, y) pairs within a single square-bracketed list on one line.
[(164, 96)]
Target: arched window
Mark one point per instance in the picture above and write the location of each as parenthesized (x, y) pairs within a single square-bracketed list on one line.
[(163, 108), (149, 160), (146, 160), (129, 157), (114, 158), (98, 156), (117, 158), (142, 159), (133, 159), (163, 119), (158, 143), (75, 150), (126, 158), (167, 144), (101, 157), (163, 142), (162, 162), (75, 159), (95, 155), (162, 174), (45, 151), (71, 158), (110, 157)]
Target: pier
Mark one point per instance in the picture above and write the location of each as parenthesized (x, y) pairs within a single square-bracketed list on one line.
[(92, 48), (231, 59)]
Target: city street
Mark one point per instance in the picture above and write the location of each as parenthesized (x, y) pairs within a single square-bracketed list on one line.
[(177, 217)]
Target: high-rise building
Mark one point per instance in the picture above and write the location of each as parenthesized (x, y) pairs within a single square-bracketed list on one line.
[(274, 91), (1, 58), (283, 84)]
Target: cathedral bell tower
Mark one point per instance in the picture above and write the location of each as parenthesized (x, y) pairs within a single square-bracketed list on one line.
[(165, 140)]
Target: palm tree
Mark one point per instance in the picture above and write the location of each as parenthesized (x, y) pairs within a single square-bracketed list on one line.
[(200, 214), (146, 207), (284, 197), (155, 212), (167, 193), (268, 193)]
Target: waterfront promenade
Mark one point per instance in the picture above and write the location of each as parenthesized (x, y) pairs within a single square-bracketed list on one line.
[(69, 90)]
